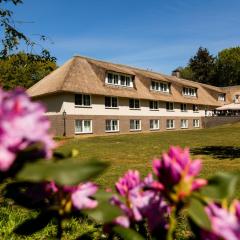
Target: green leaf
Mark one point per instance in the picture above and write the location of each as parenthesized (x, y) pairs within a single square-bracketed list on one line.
[(105, 212), (67, 172), (26, 194), (221, 186), (127, 233), (198, 215)]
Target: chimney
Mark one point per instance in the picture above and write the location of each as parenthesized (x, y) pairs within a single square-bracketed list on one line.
[(176, 73)]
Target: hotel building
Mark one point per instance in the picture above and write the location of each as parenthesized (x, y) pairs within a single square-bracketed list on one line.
[(87, 96)]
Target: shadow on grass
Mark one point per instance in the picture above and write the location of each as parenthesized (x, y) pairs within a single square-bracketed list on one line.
[(220, 152)]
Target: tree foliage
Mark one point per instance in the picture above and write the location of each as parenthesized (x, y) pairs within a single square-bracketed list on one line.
[(222, 70), (11, 35), (228, 67), (202, 66), (23, 69), (186, 73)]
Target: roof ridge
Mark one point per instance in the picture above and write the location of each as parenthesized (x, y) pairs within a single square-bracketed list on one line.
[(68, 72), (120, 65), (140, 69)]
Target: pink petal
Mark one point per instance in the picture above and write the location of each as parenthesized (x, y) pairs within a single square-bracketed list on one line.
[(6, 159), (198, 183)]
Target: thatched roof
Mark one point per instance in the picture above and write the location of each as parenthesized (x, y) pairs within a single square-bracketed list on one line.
[(85, 75)]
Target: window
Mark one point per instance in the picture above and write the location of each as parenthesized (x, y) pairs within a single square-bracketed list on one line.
[(169, 106), (221, 97), (170, 123), (153, 105), (236, 98), (183, 107), (195, 108), (160, 86), (154, 124), (110, 78), (184, 123), (83, 126), (119, 79), (135, 125), (115, 79), (82, 100), (189, 91), (111, 102), (196, 123), (134, 104), (112, 126)]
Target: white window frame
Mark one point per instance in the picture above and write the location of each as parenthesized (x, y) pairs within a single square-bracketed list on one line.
[(183, 107), (172, 125), (196, 106), (152, 124), (196, 121), (134, 100), (222, 97), (184, 123), (117, 81), (153, 109), (170, 110), (134, 123), (82, 124), (188, 91), (111, 125), (159, 86), (111, 100), (83, 105)]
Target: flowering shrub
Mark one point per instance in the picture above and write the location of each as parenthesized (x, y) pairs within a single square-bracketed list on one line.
[(225, 222), (141, 208), (22, 124), (176, 172), (78, 196)]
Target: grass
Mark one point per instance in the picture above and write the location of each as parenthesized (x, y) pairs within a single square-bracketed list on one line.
[(218, 147)]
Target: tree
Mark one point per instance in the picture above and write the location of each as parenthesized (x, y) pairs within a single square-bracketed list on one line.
[(228, 67), (202, 66), (11, 36), (23, 69), (186, 73)]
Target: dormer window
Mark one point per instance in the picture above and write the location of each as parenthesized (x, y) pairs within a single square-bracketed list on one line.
[(236, 98), (160, 86), (187, 91), (119, 79), (221, 97)]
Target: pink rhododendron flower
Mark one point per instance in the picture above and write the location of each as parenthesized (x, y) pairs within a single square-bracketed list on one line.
[(176, 172), (141, 200), (225, 224), (130, 180), (22, 123), (157, 215), (81, 195)]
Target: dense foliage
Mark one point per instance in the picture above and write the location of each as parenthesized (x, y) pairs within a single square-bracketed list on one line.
[(11, 35), (228, 67), (140, 208), (24, 69), (222, 70)]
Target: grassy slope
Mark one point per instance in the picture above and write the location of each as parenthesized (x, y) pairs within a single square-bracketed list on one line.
[(136, 152)]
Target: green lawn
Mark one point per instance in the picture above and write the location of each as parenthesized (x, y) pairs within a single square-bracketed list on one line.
[(219, 148)]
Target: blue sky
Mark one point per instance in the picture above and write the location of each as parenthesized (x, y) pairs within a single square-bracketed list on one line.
[(155, 34)]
